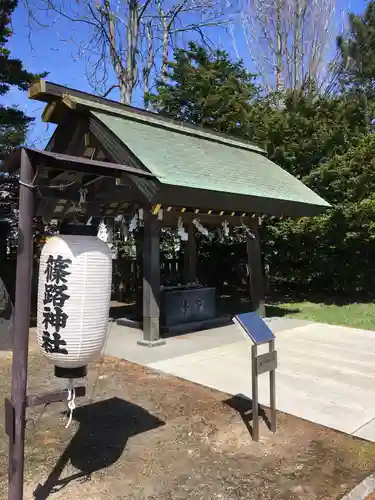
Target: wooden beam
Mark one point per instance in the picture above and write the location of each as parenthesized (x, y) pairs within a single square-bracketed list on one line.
[(37, 89), (48, 111), (89, 140), (91, 210), (204, 199), (120, 154), (68, 136), (256, 273), (102, 198), (55, 112), (171, 218), (139, 273), (67, 139), (151, 280), (20, 336), (59, 161), (48, 92), (54, 397)]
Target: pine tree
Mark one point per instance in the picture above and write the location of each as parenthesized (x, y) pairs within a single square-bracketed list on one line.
[(208, 89), (357, 51), (13, 122)]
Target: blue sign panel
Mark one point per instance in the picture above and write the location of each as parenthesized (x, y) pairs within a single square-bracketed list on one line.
[(254, 327)]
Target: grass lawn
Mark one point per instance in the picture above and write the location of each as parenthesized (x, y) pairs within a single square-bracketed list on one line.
[(357, 315)]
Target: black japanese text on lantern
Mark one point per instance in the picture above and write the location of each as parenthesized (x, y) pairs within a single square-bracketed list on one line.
[(55, 296)]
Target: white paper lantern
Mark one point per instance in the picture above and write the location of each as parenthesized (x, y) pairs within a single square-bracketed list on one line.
[(74, 293)]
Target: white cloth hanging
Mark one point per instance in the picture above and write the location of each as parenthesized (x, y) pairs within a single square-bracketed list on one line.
[(181, 230)]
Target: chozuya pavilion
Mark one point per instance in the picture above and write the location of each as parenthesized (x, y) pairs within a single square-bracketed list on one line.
[(119, 160)]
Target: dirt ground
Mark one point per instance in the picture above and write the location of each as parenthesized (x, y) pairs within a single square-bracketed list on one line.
[(143, 435)]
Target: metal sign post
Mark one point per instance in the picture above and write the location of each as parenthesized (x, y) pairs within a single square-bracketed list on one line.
[(273, 387), (259, 333)]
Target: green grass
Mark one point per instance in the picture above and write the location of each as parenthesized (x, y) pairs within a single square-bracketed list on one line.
[(357, 315)]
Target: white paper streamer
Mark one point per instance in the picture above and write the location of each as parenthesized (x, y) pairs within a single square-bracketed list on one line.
[(225, 225), (82, 198), (181, 230), (200, 228), (133, 223), (103, 233), (71, 402), (248, 231)]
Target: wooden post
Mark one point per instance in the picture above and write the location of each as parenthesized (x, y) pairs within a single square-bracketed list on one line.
[(272, 391), (139, 274), (190, 257), (21, 330), (256, 278), (254, 392), (151, 281)]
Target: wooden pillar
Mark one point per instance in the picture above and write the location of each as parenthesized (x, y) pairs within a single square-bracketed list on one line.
[(151, 281), (256, 275), (190, 257), (138, 279), (16, 410)]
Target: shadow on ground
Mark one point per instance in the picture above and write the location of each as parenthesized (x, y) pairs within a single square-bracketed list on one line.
[(325, 297), (123, 311), (5, 339), (237, 300), (237, 303), (274, 311), (104, 430), (244, 406)]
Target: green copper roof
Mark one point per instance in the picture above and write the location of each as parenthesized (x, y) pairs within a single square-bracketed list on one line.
[(195, 158), (153, 119), (183, 160)]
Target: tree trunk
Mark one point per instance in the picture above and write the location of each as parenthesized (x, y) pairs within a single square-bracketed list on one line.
[(131, 60), (164, 61), (148, 67)]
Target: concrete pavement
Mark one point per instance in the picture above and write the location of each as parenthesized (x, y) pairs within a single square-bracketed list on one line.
[(363, 491), (326, 373)]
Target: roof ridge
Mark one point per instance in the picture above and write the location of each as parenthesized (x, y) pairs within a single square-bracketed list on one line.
[(154, 119)]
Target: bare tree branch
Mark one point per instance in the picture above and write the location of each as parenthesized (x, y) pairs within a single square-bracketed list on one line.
[(127, 40), (150, 59), (291, 37), (112, 87)]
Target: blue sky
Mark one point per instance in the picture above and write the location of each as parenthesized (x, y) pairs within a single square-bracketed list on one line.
[(49, 50)]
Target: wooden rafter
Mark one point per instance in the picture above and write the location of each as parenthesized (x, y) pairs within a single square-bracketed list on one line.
[(170, 215), (57, 188)]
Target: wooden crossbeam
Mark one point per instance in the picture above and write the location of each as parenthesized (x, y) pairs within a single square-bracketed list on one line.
[(171, 214), (171, 218)]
